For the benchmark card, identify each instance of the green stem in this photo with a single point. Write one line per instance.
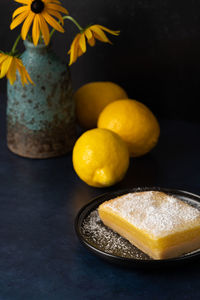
(15, 44)
(74, 21)
(71, 19)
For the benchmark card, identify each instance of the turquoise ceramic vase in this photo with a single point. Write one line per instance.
(41, 117)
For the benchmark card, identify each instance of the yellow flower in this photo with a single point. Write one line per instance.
(9, 65)
(38, 12)
(78, 46)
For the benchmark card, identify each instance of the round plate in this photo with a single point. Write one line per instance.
(110, 246)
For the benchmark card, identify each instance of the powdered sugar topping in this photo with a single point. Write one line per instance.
(156, 213)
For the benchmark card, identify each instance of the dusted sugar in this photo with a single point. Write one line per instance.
(156, 213)
(105, 239)
(159, 224)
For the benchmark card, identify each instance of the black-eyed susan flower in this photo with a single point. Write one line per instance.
(78, 46)
(38, 13)
(8, 67)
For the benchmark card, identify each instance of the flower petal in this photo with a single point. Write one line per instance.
(52, 22)
(3, 57)
(21, 73)
(80, 52)
(35, 30)
(74, 49)
(90, 37)
(28, 76)
(23, 1)
(114, 32)
(73, 42)
(99, 34)
(88, 33)
(82, 42)
(27, 24)
(25, 77)
(57, 8)
(19, 10)
(55, 14)
(11, 74)
(19, 19)
(44, 28)
(6, 65)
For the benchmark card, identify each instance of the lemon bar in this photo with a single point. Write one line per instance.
(158, 224)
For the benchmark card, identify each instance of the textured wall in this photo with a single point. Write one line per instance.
(156, 57)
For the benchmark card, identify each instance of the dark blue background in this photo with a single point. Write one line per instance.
(40, 255)
(156, 58)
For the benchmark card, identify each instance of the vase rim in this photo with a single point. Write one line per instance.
(28, 44)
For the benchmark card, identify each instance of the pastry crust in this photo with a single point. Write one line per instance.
(160, 225)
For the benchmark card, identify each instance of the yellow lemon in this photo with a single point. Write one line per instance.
(100, 157)
(92, 97)
(133, 122)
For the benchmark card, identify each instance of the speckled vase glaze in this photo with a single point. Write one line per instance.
(41, 117)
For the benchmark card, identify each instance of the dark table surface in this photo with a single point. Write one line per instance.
(40, 255)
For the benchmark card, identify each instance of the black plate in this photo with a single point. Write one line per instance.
(128, 255)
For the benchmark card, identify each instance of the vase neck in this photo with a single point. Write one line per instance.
(40, 48)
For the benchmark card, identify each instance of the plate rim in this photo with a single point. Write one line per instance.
(124, 260)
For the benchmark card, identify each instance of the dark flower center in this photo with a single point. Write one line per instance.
(37, 6)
